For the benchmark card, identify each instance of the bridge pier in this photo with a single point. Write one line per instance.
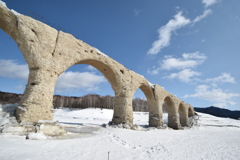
(123, 112)
(173, 120)
(36, 103)
(183, 113)
(155, 113)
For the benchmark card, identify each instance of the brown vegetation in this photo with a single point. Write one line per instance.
(87, 101)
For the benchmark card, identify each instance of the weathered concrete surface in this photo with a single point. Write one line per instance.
(49, 53)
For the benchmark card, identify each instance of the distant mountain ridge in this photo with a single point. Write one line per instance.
(219, 112)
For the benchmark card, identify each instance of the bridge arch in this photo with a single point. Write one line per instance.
(155, 112)
(105, 69)
(122, 109)
(49, 53)
(172, 102)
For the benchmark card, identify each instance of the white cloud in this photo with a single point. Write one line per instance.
(136, 12)
(67, 81)
(209, 2)
(224, 78)
(76, 80)
(165, 32)
(215, 95)
(19, 88)
(214, 85)
(199, 18)
(90, 68)
(11, 69)
(154, 71)
(188, 60)
(223, 105)
(184, 75)
(195, 55)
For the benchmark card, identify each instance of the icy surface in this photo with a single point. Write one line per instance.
(99, 52)
(21, 108)
(152, 85)
(3, 3)
(37, 136)
(5, 111)
(216, 138)
(14, 12)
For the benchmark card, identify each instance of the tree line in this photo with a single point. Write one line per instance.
(95, 101)
(87, 101)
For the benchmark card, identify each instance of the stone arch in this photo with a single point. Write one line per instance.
(172, 103)
(155, 112)
(105, 69)
(49, 53)
(44, 79)
(113, 78)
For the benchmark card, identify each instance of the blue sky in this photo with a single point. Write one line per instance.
(191, 48)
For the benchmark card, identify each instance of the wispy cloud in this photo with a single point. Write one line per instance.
(165, 33)
(11, 69)
(153, 71)
(76, 80)
(184, 75)
(224, 78)
(216, 95)
(19, 88)
(66, 82)
(188, 60)
(90, 68)
(209, 2)
(136, 12)
(199, 18)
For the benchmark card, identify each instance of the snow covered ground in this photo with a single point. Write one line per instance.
(215, 138)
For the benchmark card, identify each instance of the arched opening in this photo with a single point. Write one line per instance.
(140, 108)
(154, 111)
(139, 102)
(172, 113)
(106, 70)
(13, 68)
(91, 90)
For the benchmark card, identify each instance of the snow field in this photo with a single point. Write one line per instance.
(216, 138)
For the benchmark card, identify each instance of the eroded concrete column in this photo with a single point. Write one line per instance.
(36, 104)
(173, 120)
(183, 112)
(155, 113)
(173, 115)
(123, 112)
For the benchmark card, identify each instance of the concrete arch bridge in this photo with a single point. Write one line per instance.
(49, 53)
